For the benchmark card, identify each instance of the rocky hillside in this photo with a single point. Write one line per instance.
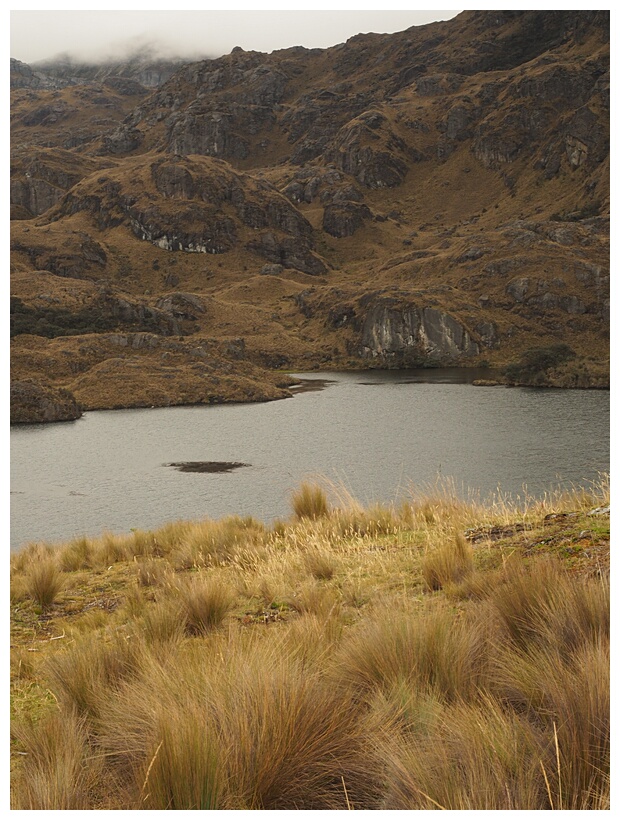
(435, 196)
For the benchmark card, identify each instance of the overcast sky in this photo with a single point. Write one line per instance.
(97, 35)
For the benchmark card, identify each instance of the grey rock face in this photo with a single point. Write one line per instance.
(181, 305)
(35, 195)
(487, 331)
(41, 177)
(24, 76)
(343, 219)
(122, 140)
(211, 133)
(286, 251)
(407, 334)
(271, 270)
(374, 167)
(537, 296)
(518, 288)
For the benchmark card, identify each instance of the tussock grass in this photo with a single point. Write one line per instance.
(152, 572)
(542, 604)
(310, 501)
(143, 542)
(429, 649)
(112, 548)
(364, 658)
(450, 563)
(80, 675)
(570, 697)
(377, 520)
(165, 621)
(320, 564)
(312, 597)
(35, 550)
(44, 580)
(205, 602)
(18, 588)
(294, 739)
(216, 543)
(477, 756)
(62, 769)
(78, 554)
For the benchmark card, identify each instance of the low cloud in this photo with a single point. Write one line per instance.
(113, 36)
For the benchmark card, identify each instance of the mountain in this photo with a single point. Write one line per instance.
(435, 196)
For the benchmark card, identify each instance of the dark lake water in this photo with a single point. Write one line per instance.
(376, 433)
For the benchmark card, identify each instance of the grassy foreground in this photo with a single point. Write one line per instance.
(442, 654)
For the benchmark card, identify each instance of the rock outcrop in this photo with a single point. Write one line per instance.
(36, 403)
(398, 334)
(197, 205)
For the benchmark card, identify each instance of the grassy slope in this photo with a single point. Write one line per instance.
(346, 658)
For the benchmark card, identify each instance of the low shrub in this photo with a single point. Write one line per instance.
(534, 364)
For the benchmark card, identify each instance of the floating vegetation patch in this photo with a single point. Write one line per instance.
(207, 466)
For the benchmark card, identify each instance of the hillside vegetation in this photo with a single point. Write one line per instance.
(442, 655)
(435, 196)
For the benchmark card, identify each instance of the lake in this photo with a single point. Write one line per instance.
(376, 433)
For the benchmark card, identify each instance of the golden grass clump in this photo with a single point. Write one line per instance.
(293, 740)
(210, 543)
(310, 501)
(476, 756)
(112, 548)
(570, 698)
(35, 550)
(374, 521)
(164, 621)
(543, 604)
(44, 580)
(81, 674)
(449, 563)
(152, 572)
(313, 597)
(205, 602)
(78, 554)
(62, 768)
(320, 564)
(429, 649)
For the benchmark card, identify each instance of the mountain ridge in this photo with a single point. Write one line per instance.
(435, 196)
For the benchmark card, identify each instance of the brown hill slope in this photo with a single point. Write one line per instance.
(440, 195)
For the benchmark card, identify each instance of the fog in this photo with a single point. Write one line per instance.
(101, 36)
